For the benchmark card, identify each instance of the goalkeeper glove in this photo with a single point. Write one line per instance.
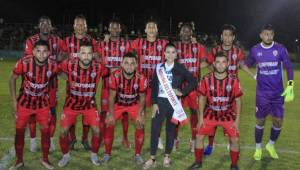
(289, 91)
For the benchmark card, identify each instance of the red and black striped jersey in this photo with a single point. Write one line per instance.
(191, 55)
(235, 56)
(150, 54)
(112, 52)
(221, 95)
(72, 45)
(56, 45)
(128, 90)
(81, 83)
(34, 91)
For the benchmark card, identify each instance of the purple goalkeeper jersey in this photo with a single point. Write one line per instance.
(270, 61)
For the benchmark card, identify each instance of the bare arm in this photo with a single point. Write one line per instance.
(202, 103)
(238, 111)
(247, 70)
(12, 90)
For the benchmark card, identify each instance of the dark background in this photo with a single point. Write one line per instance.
(209, 15)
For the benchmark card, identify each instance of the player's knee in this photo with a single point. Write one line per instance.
(63, 132)
(95, 130)
(260, 122)
(277, 122)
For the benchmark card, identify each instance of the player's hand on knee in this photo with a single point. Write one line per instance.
(200, 123)
(14, 108)
(110, 119)
(235, 125)
(140, 121)
(154, 110)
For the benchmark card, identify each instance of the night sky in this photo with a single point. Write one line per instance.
(247, 15)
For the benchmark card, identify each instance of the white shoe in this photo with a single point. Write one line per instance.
(149, 164)
(95, 160)
(167, 162)
(160, 144)
(33, 146)
(52, 145)
(192, 145)
(64, 161)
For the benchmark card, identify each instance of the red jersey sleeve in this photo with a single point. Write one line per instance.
(28, 47)
(210, 57)
(241, 55)
(237, 90)
(18, 69)
(63, 66)
(113, 82)
(202, 52)
(135, 45)
(143, 84)
(202, 88)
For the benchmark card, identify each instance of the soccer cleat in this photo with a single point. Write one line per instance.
(192, 145)
(167, 162)
(126, 144)
(271, 149)
(195, 166)
(85, 144)
(95, 160)
(234, 167)
(149, 164)
(138, 159)
(257, 154)
(33, 146)
(17, 166)
(105, 158)
(208, 150)
(47, 164)
(160, 144)
(72, 144)
(64, 161)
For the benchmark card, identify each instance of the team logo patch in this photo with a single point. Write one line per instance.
(122, 48)
(159, 48)
(234, 56)
(49, 73)
(211, 88)
(135, 86)
(195, 50)
(93, 74)
(178, 51)
(259, 54)
(121, 86)
(228, 88)
(275, 53)
(106, 48)
(71, 45)
(144, 47)
(54, 46)
(74, 73)
(29, 74)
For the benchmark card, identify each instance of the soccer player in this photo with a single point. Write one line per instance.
(126, 94)
(83, 75)
(269, 56)
(166, 91)
(72, 44)
(235, 60)
(193, 57)
(56, 46)
(219, 105)
(36, 72)
(150, 51)
(112, 50)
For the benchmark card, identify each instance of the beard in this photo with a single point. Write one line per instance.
(128, 73)
(86, 64)
(40, 62)
(45, 33)
(220, 72)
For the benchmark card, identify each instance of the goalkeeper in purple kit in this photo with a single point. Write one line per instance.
(270, 57)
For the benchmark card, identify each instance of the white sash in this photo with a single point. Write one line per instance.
(178, 114)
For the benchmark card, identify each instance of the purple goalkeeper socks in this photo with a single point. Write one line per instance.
(274, 133)
(259, 130)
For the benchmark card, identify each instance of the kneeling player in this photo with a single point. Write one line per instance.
(126, 94)
(33, 100)
(83, 76)
(219, 92)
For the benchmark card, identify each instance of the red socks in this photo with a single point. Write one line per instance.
(198, 155)
(139, 140)
(194, 121)
(95, 144)
(211, 140)
(19, 143)
(45, 140)
(109, 138)
(234, 157)
(64, 144)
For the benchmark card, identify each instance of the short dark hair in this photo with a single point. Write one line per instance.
(80, 16)
(86, 43)
(41, 43)
(228, 27)
(190, 25)
(44, 17)
(114, 20)
(221, 54)
(130, 55)
(151, 20)
(170, 45)
(268, 27)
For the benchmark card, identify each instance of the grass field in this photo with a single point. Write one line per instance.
(288, 145)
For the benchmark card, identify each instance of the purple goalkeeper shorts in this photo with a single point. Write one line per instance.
(269, 105)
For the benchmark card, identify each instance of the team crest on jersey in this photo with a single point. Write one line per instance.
(144, 47)
(106, 48)
(93, 74)
(122, 48)
(195, 50)
(234, 56)
(212, 88)
(121, 86)
(71, 45)
(275, 53)
(135, 86)
(159, 48)
(74, 73)
(178, 51)
(259, 54)
(54, 46)
(228, 88)
(49, 73)
(29, 74)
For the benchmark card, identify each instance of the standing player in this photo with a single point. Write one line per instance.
(219, 105)
(73, 47)
(36, 72)
(192, 56)
(112, 50)
(56, 50)
(126, 94)
(235, 60)
(269, 56)
(83, 75)
(150, 51)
